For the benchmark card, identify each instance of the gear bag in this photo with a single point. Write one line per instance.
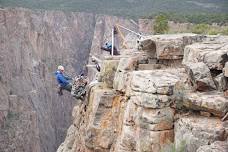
(79, 87)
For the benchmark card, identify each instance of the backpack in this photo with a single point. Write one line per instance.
(79, 87)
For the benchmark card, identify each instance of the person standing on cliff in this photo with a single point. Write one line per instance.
(62, 80)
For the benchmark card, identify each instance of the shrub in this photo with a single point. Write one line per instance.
(161, 24)
(213, 31)
(200, 28)
(225, 31)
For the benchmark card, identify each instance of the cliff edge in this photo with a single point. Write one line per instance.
(168, 93)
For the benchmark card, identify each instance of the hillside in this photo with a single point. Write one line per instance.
(120, 7)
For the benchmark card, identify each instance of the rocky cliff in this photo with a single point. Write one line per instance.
(32, 43)
(168, 94)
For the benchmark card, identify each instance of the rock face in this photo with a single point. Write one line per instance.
(221, 82)
(134, 104)
(217, 146)
(195, 131)
(212, 51)
(226, 69)
(168, 46)
(200, 76)
(32, 43)
(133, 109)
(213, 102)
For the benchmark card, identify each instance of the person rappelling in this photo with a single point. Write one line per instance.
(63, 80)
(78, 86)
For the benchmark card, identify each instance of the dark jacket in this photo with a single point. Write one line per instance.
(62, 79)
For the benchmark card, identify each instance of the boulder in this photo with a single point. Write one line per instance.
(155, 82)
(127, 141)
(226, 70)
(103, 120)
(217, 146)
(212, 102)
(108, 71)
(213, 52)
(155, 119)
(154, 101)
(226, 93)
(181, 88)
(225, 125)
(194, 131)
(153, 141)
(168, 46)
(122, 74)
(151, 66)
(200, 76)
(145, 129)
(221, 82)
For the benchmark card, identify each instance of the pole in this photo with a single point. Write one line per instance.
(112, 41)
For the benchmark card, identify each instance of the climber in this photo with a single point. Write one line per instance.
(108, 48)
(62, 80)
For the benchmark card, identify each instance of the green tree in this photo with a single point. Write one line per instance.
(161, 24)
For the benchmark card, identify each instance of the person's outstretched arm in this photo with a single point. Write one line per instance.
(67, 77)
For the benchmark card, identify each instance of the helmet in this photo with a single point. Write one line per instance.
(61, 68)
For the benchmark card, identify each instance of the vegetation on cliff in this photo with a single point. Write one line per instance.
(194, 11)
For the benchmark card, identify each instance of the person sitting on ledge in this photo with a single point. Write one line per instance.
(108, 48)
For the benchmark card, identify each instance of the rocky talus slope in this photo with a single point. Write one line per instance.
(33, 117)
(169, 93)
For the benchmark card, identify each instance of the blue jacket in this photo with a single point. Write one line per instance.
(62, 79)
(108, 45)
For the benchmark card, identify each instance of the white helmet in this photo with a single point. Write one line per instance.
(61, 68)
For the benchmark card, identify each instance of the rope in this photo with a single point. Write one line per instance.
(122, 36)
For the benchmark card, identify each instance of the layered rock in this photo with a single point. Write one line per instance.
(168, 46)
(212, 51)
(217, 146)
(221, 82)
(157, 109)
(191, 132)
(226, 69)
(212, 102)
(200, 76)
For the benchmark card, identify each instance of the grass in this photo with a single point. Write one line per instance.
(209, 29)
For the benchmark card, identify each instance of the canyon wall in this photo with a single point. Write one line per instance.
(32, 44)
